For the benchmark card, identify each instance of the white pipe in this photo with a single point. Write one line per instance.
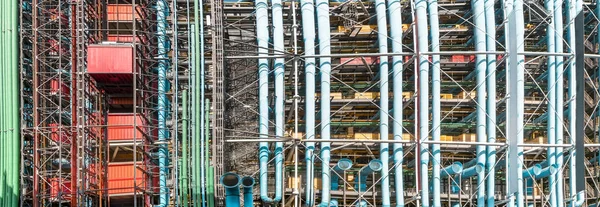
(325, 66)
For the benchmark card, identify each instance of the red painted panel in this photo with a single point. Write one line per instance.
(120, 126)
(120, 12)
(120, 177)
(60, 191)
(62, 136)
(56, 87)
(110, 59)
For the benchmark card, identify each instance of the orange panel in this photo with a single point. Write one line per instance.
(110, 59)
(120, 177)
(120, 12)
(357, 60)
(122, 38)
(120, 126)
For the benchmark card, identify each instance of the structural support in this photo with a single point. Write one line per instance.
(279, 66)
(480, 69)
(490, 30)
(514, 104)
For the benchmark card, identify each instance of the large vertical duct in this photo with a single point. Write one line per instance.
(490, 28)
(248, 183)
(394, 12)
(551, 130)
(435, 102)
(480, 64)
(397, 65)
(308, 31)
(279, 66)
(262, 36)
(384, 153)
(161, 18)
(558, 44)
(325, 66)
(231, 182)
(423, 98)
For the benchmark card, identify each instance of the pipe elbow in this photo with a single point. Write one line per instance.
(579, 199)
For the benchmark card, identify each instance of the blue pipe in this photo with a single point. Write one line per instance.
(373, 166)
(231, 183)
(490, 30)
(472, 171)
(342, 165)
(558, 28)
(394, 12)
(549, 171)
(571, 13)
(384, 153)
(248, 183)
(532, 172)
(323, 29)
(551, 129)
(333, 203)
(308, 32)
(452, 169)
(163, 84)
(262, 34)
(279, 65)
(423, 88)
(435, 102)
(480, 64)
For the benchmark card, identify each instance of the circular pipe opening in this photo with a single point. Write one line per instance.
(230, 180)
(376, 165)
(344, 164)
(457, 167)
(247, 181)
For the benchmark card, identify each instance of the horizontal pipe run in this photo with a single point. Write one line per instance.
(454, 168)
(471, 171)
(547, 171)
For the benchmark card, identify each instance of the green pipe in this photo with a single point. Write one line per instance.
(197, 117)
(210, 181)
(3, 116)
(184, 146)
(210, 187)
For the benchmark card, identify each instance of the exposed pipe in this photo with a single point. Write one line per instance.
(551, 125)
(452, 169)
(471, 171)
(520, 76)
(279, 65)
(532, 172)
(384, 153)
(342, 165)
(308, 32)
(325, 67)
(231, 182)
(373, 166)
(480, 64)
(248, 183)
(549, 171)
(436, 102)
(333, 203)
(490, 30)
(262, 36)
(210, 187)
(559, 41)
(423, 98)
(394, 12)
(184, 148)
(163, 151)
